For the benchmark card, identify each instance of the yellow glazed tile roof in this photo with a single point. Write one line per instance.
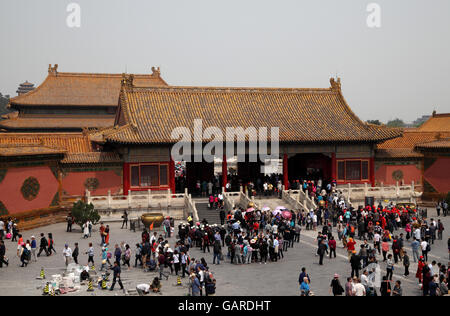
(81, 89)
(77, 147)
(28, 150)
(70, 142)
(91, 157)
(437, 123)
(148, 115)
(438, 144)
(57, 122)
(403, 147)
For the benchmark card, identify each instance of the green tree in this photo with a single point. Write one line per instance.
(4, 100)
(375, 122)
(419, 124)
(447, 198)
(83, 212)
(396, 123)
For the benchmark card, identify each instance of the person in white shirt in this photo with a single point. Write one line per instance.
(434, 268)
(86, 230)
(67, 253)
(417, 234)
(376, 242)
(2, 229)
(314, 220)
(275, 229)
(152, 239)
(143, 289)
(276, 245)
(365, 281)
(201, 274)
(358, 288)
(424, 246)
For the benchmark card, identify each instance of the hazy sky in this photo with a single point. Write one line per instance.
(399, 70)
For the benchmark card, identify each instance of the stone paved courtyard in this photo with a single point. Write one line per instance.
(232, 280)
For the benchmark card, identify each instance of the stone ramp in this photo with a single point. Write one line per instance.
(211, 215)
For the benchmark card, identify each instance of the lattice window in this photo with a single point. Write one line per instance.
(30, 188)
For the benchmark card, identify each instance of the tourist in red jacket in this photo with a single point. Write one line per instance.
(332, 244)
(350, 247)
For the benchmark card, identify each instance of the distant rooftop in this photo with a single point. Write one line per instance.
(25, 88)
(81, 89)
(436, 123)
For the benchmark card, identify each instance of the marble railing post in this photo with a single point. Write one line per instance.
(149, 198)
(109, 199)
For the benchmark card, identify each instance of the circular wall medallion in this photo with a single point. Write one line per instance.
(3, 209)
(397, 175)
(30, 188)
(2, 174)
(91, 184)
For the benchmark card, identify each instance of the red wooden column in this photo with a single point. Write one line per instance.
(372, 171)
(333, 167)
(224, 171)
(172, 175)
(285, 172)
(126, 178)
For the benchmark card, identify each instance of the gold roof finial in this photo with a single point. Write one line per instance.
(156, 72)
(335, 84)
(53, 70)
(127, 80)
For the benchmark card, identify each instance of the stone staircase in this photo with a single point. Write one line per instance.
(211, 215)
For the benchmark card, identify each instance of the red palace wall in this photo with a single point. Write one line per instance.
(73, 182)
(410, 173)
(10, 189)
(438, 174)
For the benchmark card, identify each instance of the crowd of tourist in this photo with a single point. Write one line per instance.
(370, 235)
(378, 229)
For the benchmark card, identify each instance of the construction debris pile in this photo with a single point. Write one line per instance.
(73, 279)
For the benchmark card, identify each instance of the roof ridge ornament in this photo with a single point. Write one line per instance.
(127, 81)
(335, 84)
(156, 72)
(53, 70)
(438, 136)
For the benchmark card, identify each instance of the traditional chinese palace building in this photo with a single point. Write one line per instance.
(317, 129)
(69, 102)
(112, 133)
(420, 155)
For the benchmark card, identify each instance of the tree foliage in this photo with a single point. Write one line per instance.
(375, 122)
(4, 100)
(396, 123)
(83, 212)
